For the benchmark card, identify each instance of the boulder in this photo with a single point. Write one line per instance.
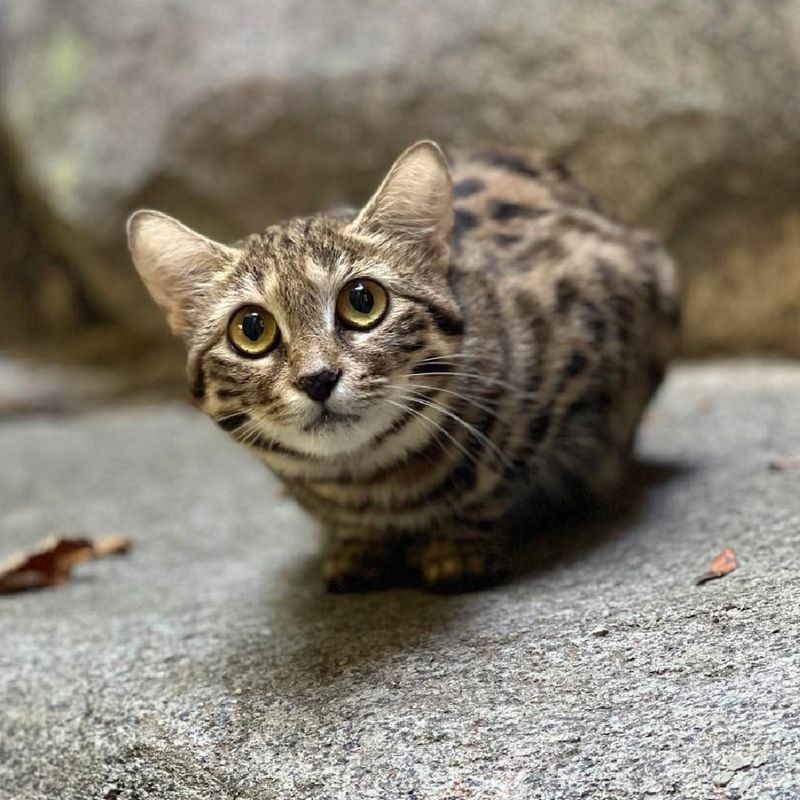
(41, 297)
(682, 114)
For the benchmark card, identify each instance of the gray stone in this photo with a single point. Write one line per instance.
(683, 114)
(41, 298)
(209, 663)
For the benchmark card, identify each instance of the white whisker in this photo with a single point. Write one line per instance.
(436, 426)
(467, 426)
(481, 378)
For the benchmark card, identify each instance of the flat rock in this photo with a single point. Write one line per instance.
(209, 663)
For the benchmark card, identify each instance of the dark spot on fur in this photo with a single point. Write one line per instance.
(450, 326)
(468, 187)
(408, 324)
(262, 443)
(512, 163)
(447, 323)
(463, 221)
(503, 212)
(595, 322)
(549, 249)
(224, 394)
(566, 294)
(412, 346)
(595, 403)
(233, 422)
(560, 169)
(577, 489)
(198, 387)
(506, 239)
(576, 364)
(539, 425)
(623, 309)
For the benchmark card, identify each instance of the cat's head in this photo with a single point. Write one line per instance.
(309, 334)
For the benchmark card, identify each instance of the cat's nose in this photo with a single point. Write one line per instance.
(319, 385)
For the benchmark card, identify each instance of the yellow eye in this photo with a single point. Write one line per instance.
(362, 304)
(252, 331)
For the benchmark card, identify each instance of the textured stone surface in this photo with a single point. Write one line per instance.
(209, 663)
(41, 297)
(683, 114)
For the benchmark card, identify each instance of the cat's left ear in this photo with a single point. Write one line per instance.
(179, 266)
(415, 201)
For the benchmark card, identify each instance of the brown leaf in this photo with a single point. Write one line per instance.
(49, 565)
(785, 463)
(724, 563)
(111, 544)
(51, 562)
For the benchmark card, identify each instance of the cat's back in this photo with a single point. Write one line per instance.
(499, 194)
(497, 187)
(586, 306)
(523, 219)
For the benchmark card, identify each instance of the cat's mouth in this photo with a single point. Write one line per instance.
(327, 420)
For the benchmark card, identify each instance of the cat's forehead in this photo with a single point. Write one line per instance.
(297, 264)
(287, 251)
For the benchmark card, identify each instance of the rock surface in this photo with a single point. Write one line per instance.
(41, 297)
(210, 664)
(683, 114)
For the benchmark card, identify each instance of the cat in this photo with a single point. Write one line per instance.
(479, 338)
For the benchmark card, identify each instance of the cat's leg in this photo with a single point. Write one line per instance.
(462, 558)
(359, 561)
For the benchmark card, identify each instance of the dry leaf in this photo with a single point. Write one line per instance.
(49, 565)
(787, 462)
(51, 562)
(111, 544)
(724, 563)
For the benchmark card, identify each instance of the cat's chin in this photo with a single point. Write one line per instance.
(329, 433)
(330, 420)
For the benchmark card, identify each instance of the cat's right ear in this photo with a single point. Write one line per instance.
(415, 201)
(178, 265)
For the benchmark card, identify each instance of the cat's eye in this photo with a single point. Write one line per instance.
(253, 331)
(362, 303)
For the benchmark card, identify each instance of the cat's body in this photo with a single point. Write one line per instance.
(524, 334)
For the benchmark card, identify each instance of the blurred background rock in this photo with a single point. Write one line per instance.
(683, 115)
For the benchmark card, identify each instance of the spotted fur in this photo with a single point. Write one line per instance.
(525, 334)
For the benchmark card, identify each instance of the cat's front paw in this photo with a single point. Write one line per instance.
(463, 565)
(356, 565)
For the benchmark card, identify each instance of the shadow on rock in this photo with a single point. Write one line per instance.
(314, 644)
(566, 533)
(313, 640)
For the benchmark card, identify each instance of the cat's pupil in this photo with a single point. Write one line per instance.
(361, 299)
(253, 326)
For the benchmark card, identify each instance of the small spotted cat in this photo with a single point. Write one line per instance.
(478, 340)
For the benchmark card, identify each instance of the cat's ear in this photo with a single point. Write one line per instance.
(415, 200)
(178, 265)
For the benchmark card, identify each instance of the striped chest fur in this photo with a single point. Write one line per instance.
(480, 337)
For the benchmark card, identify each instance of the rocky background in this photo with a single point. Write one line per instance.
(684, 115)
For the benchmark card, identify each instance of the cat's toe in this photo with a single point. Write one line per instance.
(451, 567)
(355, 567)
